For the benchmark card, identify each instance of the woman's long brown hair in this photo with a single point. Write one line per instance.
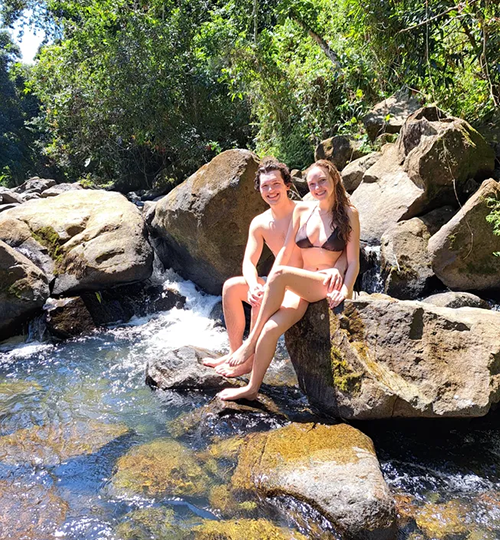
(341, 202)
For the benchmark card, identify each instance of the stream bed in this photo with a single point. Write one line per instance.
(69, 412)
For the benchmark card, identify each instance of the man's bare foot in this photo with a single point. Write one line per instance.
(229, 371)
(231, 394)
(242, 354)
(213, 362)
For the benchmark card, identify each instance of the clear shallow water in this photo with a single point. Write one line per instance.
(57, 403)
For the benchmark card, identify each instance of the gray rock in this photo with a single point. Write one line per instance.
(462, 251)
(23, 290)
(352, 174)
(387, 358)
(8, 196)
(201, 227)
(60, 188)
(332, 468)
(389, 115)
(435, 157)
(35, 185)
(405, 262)
(4, 207)
(456, 300)
(82, 240)
(182, 370)
(339, 150)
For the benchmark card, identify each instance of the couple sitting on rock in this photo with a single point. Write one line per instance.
(309, 240)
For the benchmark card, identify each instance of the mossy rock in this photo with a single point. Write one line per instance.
(243, 529)
(148, 523)
(161, 468)
(54, 444)
(231, 504)
(442, 521)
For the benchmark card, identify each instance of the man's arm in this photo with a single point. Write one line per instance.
(253, 251)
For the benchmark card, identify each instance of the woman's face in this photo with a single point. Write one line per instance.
(320, 183)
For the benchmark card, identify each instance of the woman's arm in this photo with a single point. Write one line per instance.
(352, 255)
(285, 253)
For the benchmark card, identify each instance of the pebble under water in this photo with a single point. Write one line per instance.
(69, 412)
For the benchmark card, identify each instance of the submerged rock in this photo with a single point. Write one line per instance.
(243, 529)
(82, 240)
(182, 369)
(30, 512)
(148, 523)
(200, 228)
(332, 468)
(462, 251)
(54, 444)
(23, 290)
(160, 468)
(387, 358)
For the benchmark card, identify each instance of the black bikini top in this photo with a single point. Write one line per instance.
(334, 243)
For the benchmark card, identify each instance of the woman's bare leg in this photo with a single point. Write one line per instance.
(290, 312)
(304, 283)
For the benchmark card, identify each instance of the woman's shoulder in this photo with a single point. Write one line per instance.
(304, 206)
(352, 211)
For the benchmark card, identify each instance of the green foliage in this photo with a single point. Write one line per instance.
(494, 217)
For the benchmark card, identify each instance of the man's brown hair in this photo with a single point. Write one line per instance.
(268, 165)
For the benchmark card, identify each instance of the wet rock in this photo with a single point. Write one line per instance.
(35, 185)
(56, 190)
(409, 178)
(13, 389)
(456, 300)
(219, 418)
(389, 115)
(200, 228)
(120, 304)
(405, 262)
(82, 240)
(182, 369)
(54, 444)
(23, 290)
(442, 521)
(67, 317)
(462, 250)
(339, 150)
(160, 468)
(332, 468)
(243, 529)
(148, 523)
(30, 512)
(352, 174)
(387, 358)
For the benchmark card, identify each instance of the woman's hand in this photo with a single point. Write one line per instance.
(336, 297)
(333, 279)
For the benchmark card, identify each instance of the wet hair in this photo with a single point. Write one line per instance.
(268, 165)
(341, 202)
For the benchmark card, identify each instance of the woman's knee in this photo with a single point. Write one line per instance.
(277, 274)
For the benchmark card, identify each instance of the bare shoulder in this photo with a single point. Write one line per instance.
(303, 206)
(261, 221)
(353, 213)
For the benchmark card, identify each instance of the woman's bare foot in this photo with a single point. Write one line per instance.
(242, 354)
(229, 371)
(213, 362)
(231, 394)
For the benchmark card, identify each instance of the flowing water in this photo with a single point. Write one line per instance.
(68, 412)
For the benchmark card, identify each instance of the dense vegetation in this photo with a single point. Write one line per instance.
(142, 92)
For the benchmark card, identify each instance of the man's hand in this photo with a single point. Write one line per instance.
(255, 295)
(333, 280)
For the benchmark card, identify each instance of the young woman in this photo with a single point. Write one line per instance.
(322, 230)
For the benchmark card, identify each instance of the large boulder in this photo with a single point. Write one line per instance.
(405, 262)
(339, 150)
(23, 290)
(457, 300)
(433, 160)
(385, 358)
(82, 240)
(462, 251)
(389, 115)
(200, 228)
(352, 174)
(334, 469)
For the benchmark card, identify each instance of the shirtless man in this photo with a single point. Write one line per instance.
(273, 181)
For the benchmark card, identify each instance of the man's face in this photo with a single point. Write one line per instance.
(272, 188)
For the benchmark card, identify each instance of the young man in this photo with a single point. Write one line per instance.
(273, 181)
